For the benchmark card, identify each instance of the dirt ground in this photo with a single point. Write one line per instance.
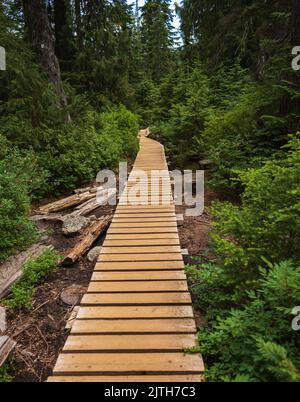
(40, 333)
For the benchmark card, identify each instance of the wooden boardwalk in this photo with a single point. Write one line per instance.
(136, 319)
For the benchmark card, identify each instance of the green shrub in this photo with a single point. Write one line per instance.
(255, 341)
(4, 373)
(76, 152)
(16, 231)
(34, 273)
(247, 292)
(242, 135)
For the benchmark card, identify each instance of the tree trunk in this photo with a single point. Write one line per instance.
(78, 23)
(63, 33)
(295, 22)
(90, 235)
(41, 39)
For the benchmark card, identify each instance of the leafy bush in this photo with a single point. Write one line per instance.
(34, 273)
(243, 134)
(257, 340)
(16, 231)
(267, 224)
(251, 287)
(77, 151)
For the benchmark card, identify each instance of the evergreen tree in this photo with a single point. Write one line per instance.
(104, 33)
(157, 38)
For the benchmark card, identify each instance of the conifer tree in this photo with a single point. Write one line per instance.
(157, 38)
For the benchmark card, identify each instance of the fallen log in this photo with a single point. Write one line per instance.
(90, 235)
(6, 346)
(82, 190)
(99, 200)
(11, 270)
(50, 218)
(66, 203)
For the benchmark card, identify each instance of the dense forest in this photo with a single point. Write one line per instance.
(220, 93)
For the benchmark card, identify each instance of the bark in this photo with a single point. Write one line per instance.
(41, 38)
(90, 235)
(78, 22)
(63, 32)
(6, 346)
(91, 205)
(66, 203)
(295, 22)
(11, 270)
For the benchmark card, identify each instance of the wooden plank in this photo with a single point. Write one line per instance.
(136, 299)
(139, 276)
(138, 286)
(140, 250)
(136, 312)
(139, 266)
(145, 203)
(135, 326)
(140, 257)
(118, 219)
(135, 363)
(145, 215)
(138, 225)
(151, 191)
(132, 379)
(146, 230)
(146, 208)
(137, 189)
(142, 236)
(98, 343)
(141, 243)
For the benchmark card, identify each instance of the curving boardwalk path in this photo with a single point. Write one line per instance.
(136, 318)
